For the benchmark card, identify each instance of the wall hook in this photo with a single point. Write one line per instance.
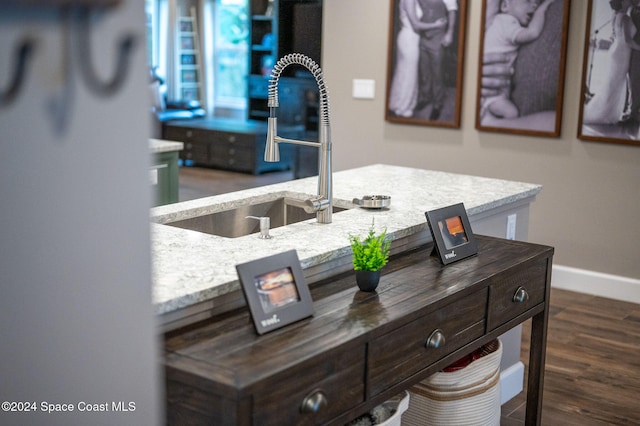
(111, 86)
(22, 54)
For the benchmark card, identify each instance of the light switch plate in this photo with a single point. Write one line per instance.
(364, 88)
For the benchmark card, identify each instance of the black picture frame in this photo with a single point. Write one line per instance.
(275, 290)
(451, 246)
(609, 99)
(424, 72)
(531, 101)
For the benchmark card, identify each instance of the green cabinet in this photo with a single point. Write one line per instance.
(163, 173)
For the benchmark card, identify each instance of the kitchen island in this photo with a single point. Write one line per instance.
(194, 274)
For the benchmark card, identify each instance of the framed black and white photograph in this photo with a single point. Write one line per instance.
(425, 62)
(275, 290)
(521, 66)
(610, 98)
(452, 235)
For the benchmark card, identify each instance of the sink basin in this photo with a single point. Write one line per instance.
(233, 223)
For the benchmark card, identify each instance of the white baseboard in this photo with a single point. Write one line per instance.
(511, 382)
(596, 283)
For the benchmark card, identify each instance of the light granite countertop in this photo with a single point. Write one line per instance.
(156, 146)
(191, 267)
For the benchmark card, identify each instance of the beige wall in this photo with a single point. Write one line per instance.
(589, 208)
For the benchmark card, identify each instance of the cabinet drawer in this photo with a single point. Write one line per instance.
(197, 152)
(239, 140)
(186, 134)
(175, 133)
(515, 293)
(404, 352)
(337, 377)
(232, 158)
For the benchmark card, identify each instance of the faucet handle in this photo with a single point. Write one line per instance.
(316, 204)
(265, 223)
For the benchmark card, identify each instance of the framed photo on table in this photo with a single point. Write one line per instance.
(521, 67)
(610, 98)
(452, 235)
(425, 62)
(275, 290)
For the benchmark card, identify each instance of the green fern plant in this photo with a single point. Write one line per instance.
(371, 253)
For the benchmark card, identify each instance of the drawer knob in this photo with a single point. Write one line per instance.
(521, 295)
(436, 340)
(313, 402)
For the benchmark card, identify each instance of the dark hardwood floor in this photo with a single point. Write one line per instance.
(198, 182)
(592, 374)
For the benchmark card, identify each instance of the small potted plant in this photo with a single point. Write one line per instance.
(369, 256)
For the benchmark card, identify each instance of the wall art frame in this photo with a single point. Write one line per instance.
(452, 234)
(275, 290)
(610, 94)
(432, 96)
(521, 86)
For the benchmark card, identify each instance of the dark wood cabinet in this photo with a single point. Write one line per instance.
(360, 349)
(278, 28)
(229, 144)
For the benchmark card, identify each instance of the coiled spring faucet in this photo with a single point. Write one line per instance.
(323, 203)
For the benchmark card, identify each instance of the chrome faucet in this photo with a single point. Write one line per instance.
(323, 203)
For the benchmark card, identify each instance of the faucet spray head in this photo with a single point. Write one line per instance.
(271, 149)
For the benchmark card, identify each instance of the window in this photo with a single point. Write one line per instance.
(224, 43)
(231, 39)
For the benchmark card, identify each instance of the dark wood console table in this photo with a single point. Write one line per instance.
(360, 349)
(230, 144)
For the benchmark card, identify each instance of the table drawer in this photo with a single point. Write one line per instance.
(336, 379)
(232, 158)
(512, 294)
(238, 140)
(186, 134)
(405, 351)
(197, 152)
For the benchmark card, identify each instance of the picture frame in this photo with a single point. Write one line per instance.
(521, 87)
(452, 234)
(186, 43)
(433, 96)
(186, 26)
(189, 76)
(609, 101)
(190, 94)
(275, 290)
(187, 59)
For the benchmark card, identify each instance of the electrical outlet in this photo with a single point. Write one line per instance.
(511, 227)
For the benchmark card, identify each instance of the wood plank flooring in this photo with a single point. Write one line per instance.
(592, 374)
(198, 182)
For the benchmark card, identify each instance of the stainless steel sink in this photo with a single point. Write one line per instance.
(233, 223)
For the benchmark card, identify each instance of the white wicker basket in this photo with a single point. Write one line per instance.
(401, 408)
(467, 397)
